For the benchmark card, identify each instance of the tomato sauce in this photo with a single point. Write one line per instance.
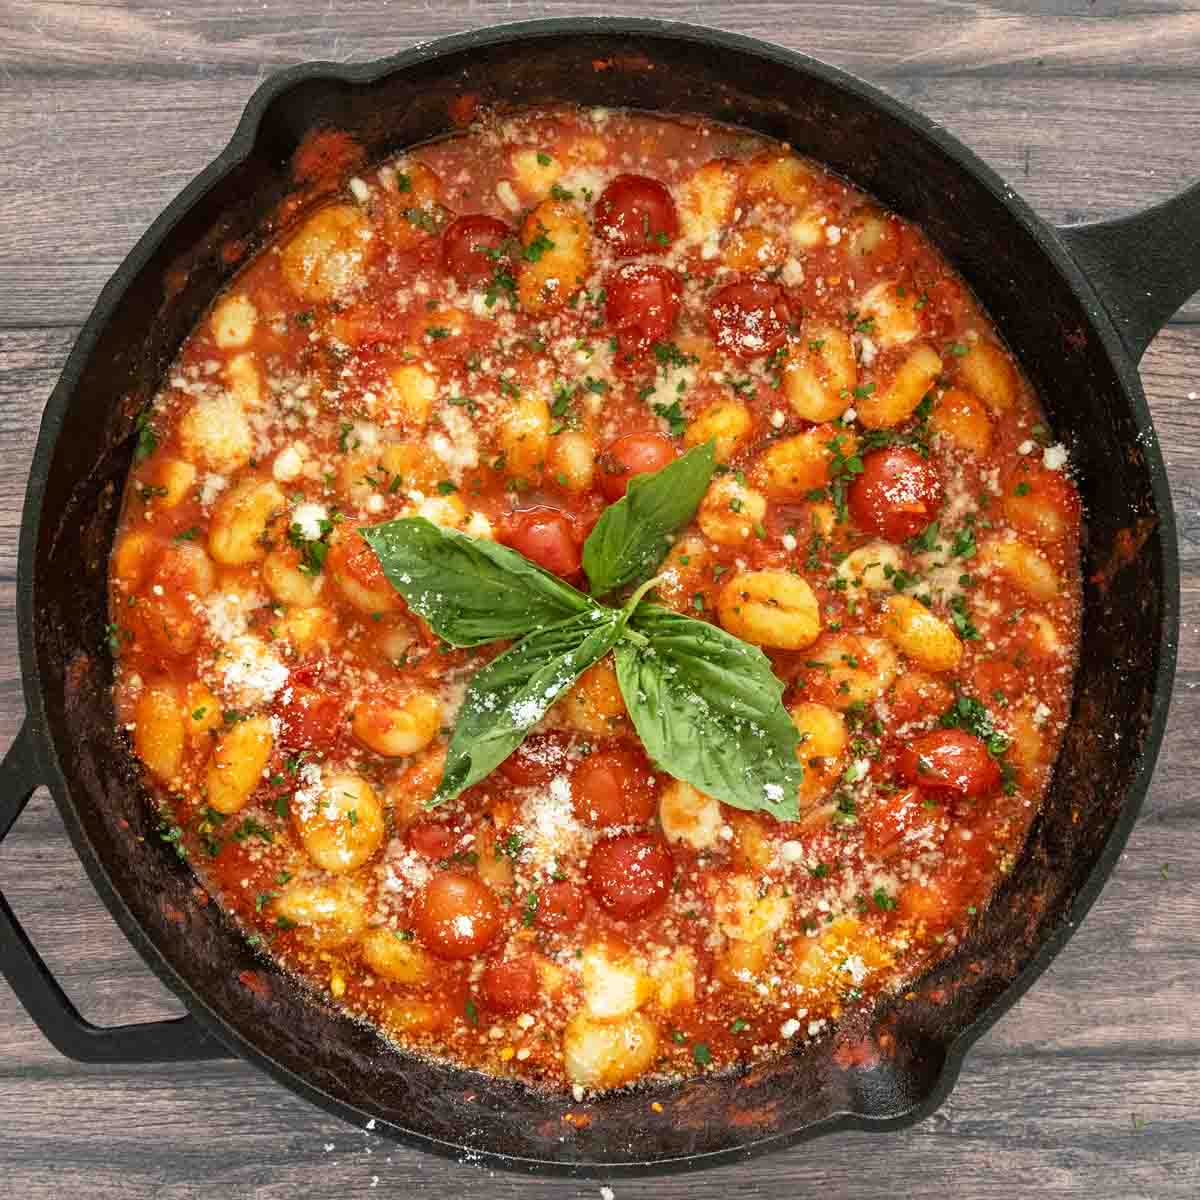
(497, 332)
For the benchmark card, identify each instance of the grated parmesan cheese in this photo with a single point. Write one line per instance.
(211, 488)
(1054, 458)
(308, 517)
(252, 675)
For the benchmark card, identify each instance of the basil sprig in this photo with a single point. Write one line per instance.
(471, 591)
(709, 709)
(514, 692)
(706, 705)
(633, 534)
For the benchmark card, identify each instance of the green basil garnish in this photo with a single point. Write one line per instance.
(706, 705)
(470, 590)
(709, 711)
(513, 693)
(631, 537)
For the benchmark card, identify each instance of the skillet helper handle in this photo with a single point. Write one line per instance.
(1145, 266)
(178, 1040)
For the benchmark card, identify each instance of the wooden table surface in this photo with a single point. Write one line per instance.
(1090, 1086)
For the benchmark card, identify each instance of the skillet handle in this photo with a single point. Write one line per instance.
(178, 1040)
(1145, 266)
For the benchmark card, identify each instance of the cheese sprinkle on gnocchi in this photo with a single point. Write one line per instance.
(497, 332)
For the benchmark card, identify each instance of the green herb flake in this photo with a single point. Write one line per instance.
(147, 438)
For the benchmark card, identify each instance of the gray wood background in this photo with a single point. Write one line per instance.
(1090, 1087)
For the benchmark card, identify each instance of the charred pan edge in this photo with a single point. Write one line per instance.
(243, 144)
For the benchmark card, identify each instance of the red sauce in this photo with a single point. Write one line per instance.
(499, 331)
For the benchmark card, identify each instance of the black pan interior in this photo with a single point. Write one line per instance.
(882, 150)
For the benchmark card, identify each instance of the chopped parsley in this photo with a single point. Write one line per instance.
(843, 469)
(503, 283)
(674, 417)
(963, 624)
(147, 438)
(312, 550)
(669, 355)
(972, 715)
(251, 828)
(536, 248)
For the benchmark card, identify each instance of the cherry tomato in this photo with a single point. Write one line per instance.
(950, 760)
(310, 720)
(633, 454)
(749, 318)
(642, 304)
(897, 494)
(546, 536)
(613, 787)
(456, 916)
(537, 759)
(466, 245)
(432, 839)
(630, 874)
(636, 215)
(917, 695)
(560, 906)
(510, 984)
(901, 819)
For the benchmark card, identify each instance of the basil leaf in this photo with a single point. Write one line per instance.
(513, 692)
(630, 538)
(708, 709)
(470, 590)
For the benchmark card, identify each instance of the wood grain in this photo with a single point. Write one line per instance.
(1087, 1089)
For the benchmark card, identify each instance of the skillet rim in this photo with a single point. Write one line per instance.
(241, 145)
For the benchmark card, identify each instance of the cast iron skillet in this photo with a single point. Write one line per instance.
(1078, 306)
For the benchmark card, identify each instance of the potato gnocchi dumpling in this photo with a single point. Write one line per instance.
(504, 334)
(327, 256)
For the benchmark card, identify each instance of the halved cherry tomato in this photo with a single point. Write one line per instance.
(903, 819)
(630, 874)
(456, 916)
(950, 760)
(433, 839)
(636, 215)
(614, 787)
(546, 536)
(897, 495)
(749, 318)
(309, 720)
(510, 984)
(560, 906)
(633, 454)
(642, 305)
(474, 248)
(536, 760)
